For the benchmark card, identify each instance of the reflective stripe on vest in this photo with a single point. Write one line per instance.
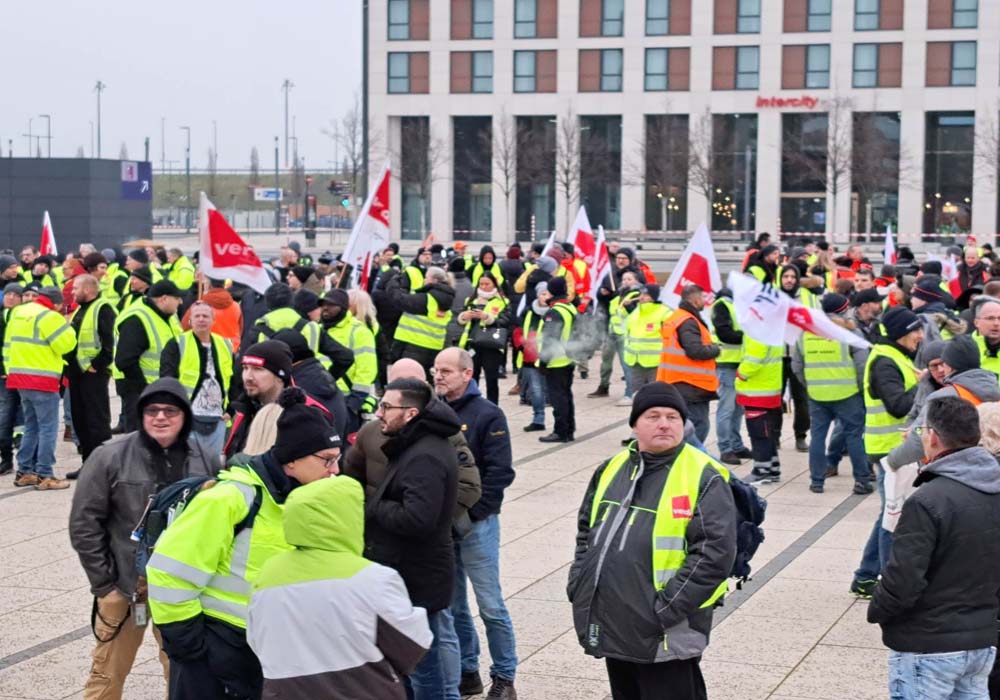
(190, 369)
(766, 380)
(158, 332)
(561, 357)
(416, 278)
(829, 371)
(361, 375)
(731, 354)
(494, 307)
(882, 429)
(88, 341)
(643, 334)
(675, 365)
(618, 312)
(427, 331)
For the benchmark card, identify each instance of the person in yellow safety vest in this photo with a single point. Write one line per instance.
(758, 391)
(138, 258)
(37, 338)
(143, 331)
(485, 323)
(525, 338)
(358, 385)
(88, 367)
(205, 562)
(833, 374)
(114, 284)
(555, 356)
(986, 315)
(688, 358)
(643, 341)
(41, 272)
(728, 414)
(203, 363)
(656, 540)
(890, 388)
(426, 311)
(619, 308)
(763, 266)
(416, 271)
(179, 270)
(487, 263)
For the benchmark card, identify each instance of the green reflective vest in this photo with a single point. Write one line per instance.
(986, 361)
(426, 331)
(287, 317)
(493, 308)
(883, 431)
(88, 342)
(618, 312)
(478, 270)
(190, 369)
(416, 277)
(181, 273)
(158, 334)
(829, 369)
(559, 356)
(107, 283)
(731, 354)
(674, 511)
(353, 334)
(761, 366)
(532, 324)
(643, 341)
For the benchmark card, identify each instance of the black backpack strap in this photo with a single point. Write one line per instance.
(300, 324)
(266, 330)
(242, 525)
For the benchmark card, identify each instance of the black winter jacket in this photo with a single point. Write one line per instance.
(408, 519)
(725, 326)
(887, 384)
(938, 592)
(416, 303)
(689, 337)
(312, 377)
(133, 341)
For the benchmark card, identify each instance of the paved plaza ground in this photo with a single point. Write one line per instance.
(794, 632)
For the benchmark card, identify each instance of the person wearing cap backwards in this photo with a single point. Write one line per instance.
(9, 400)
(179, 270)
(832, 373)
(265, 369)
(358, 385)
(201, 572)
(114, 488)
(656, 540)
(890, 388)
(556, 361)
(36, 338)
(643, 339)
(144, 329)
(688, 358)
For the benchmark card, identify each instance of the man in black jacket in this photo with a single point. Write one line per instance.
(478, 552)
(937, 599)
(408, 521)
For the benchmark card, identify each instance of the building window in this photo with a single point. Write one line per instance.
(524, 71)
(819, 15)
(803, 172)
(601, 168)
(748, 17)
(472, 177)
(611, 70)
(612, 17)
(963, 63)
(747, 67)
(949, 157)
(399, 19)
(865, 15)
(666, 171)
(865, 65)
(482, 19)
(818, 66)
(399, 72)
(965, 14)
(875, 170)
(657, 17)
(733, 157)
(656, 70)
(525, 18)
(482, 71)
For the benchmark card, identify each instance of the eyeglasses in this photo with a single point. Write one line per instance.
(383, 406)
(327, 461)
(921, 430)
(167, 411)
(989, 319)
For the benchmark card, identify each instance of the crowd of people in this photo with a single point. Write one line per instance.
(278, 580)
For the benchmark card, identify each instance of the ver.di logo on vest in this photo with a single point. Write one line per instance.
(681, 506)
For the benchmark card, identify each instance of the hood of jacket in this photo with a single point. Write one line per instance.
(326, 514)
(947, 320)
(483, 251)
(443, 294)
(218, 298)
(171, 386)
(794, 291)
(974, 467)
(437, 418)
(471, 392)
(981, 382)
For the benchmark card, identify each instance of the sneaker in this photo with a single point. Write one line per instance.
(524, 402)
(502, 689)
(50, 483)
(729, 458)
(554, 437)
(801, 445)
(515, 390)
(862, 588)
(6, 465)
(832, 471)
(534, 427)
(624, 401)
(598, 393)
(72, 476)
(471, 684)
(863, 488)
(816, 488)
(26, 479)
(760, 476)
(744, 453)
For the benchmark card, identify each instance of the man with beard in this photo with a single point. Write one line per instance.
(266, 370)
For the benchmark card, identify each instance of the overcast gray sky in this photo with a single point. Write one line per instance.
(190, 61)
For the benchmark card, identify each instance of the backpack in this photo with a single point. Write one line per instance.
(750, 509)
(165, 505)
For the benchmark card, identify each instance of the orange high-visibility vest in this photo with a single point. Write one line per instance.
(675, 365)
(964, 393)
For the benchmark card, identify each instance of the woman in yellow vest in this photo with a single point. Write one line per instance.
(643, 341)
(487, 319)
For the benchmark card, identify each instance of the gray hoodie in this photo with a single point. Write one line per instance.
(975, 467)
(980, 382)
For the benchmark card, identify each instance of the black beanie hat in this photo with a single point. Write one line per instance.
(296, 342)
(164, 288)
(557, 287)
(139, 255)
(653, 290)
(302, 273)
(866, 297)
(931, 267)
(143, 273)
(278, 296)
(305, 302)
(927, 289)
(456, 264)
(767, 250)
(834, 303)
(302, 430)
(961, 354)
(654, 395)
(272, 355)
(899, 321)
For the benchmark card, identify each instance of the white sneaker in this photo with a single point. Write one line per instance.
(624, 401)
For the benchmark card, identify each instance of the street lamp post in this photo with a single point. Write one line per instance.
(277, 192)
(187, 176)
(99, 88)
(48, 134)
(286, 86)
(29, 136)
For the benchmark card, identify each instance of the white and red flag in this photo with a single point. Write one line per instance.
(594, 252)
(697, 265)
(889, 252)
(370, 234)
(224, 254)
(48, 244)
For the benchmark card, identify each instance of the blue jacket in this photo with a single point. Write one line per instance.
(485, 428)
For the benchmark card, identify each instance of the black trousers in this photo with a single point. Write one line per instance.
(490, 361)
(424, 356)
(129, 390)
(764, 429)
(229, 670)
(669, 680)
(90, 406)
(800, 400)
(559, 384)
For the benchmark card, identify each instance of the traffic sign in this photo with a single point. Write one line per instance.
(268, 194)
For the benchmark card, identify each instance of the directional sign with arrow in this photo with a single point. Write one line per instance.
(137, 180)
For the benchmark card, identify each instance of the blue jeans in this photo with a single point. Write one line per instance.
(879, 546)
(619, 341)
(837, 448)
(41, 430)
(436, 677)
(533, 383)
(10, 402)
(477, 556)
(850, 412)
(957, 675)
(728, 415)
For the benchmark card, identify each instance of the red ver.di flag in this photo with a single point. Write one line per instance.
(696, 266)
(370, 234)
(48, 244)
(224, 254)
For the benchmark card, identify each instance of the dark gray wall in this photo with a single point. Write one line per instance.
(83, 197)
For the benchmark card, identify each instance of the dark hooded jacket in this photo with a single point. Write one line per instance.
(408, 519)
(938, 593)
(115, 483)
(613, 281)
(886, 383)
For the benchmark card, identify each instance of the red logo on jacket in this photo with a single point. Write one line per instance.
(681, 506)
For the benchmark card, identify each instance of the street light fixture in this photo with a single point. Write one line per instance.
(187, 175)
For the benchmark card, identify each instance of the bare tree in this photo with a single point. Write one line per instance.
(568, 160)
(254, 167)
(659, 163)
(349, 138)
(212, 171)
(987, 146)
(879, 164)
(701, 160)
(505, 155)
(122, 152)
(428, 164)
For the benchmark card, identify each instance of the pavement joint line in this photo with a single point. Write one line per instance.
(39, 649)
